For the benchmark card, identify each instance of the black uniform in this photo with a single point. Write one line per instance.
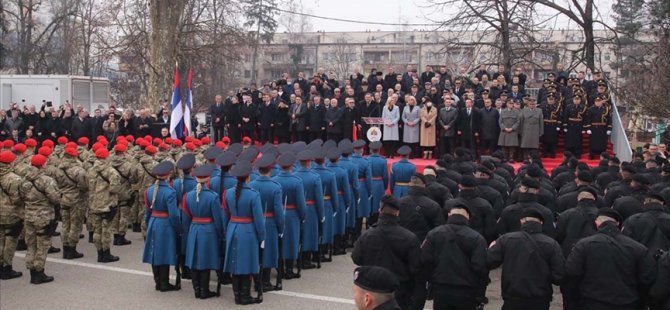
(611, 267)
(531, 263)
(650, 227)
(436, 191)
(552, 121)
(456, 256)
(573, 122)
(482, 217)
(610, 175)
(393, 247)
(630, 204)
(419, 213)
(598, 121)
(660, 291)
(491, 195)
(544, 197)
(568, 201)
(510, 216)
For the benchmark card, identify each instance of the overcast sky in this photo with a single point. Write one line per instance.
(397, 11)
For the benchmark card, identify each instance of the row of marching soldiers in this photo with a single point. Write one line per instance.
(243, 211)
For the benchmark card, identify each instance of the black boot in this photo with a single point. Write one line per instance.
(306, 262)
(155, 271)
(120, 239)
(224, 277)
(7, 273)
(267, 285)
(66, 252)
(74, 254)
(38, 277)
(245, 291)
(235, 281)
(90, 237)
(338, 249)
(185, 271)
(195, 279)
(137, 227)
(288, 273)
(106, 257)
(164, 279)
(325, 250)
(53, 250)
(204, 285)
(21, 245)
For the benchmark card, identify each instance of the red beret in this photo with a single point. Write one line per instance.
(168, 140)
(103, 142)
(188, 139)
(45, 150)
(120, 148)
(225, 140)
(190, 146)
(122, 142)
(163, 146)
(120, 138)
(205, 140)
(102, 153)
(147, 137)
(246, 140)
(151, 150)
(197, 142)
(20, 148)
(7, 157)
(62, 140)
(83, 141)
(71, 151)
(220, 145)
(130, 138)
(96, 146)
(38, 160)
(157, 141)
(71, 144)
(143, 143)
(8, 144)
(176, 142)
(48, 143)
(100, 138)
(31, 142)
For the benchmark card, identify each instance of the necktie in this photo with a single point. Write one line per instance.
(468, 112)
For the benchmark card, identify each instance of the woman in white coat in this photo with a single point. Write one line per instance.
(412, 119)
(391, 116)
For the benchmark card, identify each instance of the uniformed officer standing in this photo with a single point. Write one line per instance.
(293, 195)
(144, 180)
(330, 202)
(482, 217)
(163, 226)
(551, 112)
(364, 185)
(183, 185)
(346, 148)
(245, 233)
(225, 161)
(531, 262)
(104, 187)
(652, 226)
(401, 172)
(12, 210)
(660, 291)
(393, 247)
(509, 218)
(273, 209)
(74, 188)
(202, 210)
(344, 200)
(456, 255)
(598, 125)
(121, 163)
(314, 216)
(40, 193)
(573, 121)
(380, 179)
(611, 269)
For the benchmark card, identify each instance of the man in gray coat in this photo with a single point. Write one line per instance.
(447, 119)
(531, 127)
(509, 130)
(298, 114)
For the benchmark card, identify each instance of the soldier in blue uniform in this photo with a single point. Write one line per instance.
(245, 232)
(364, 186)
(293, 196)
(344, 200)
(183, 185)
(273, 207)
(401, 173)
(346, 148)
(202, 211)
(210, 155)
(330, 202)
(163, 226)
(225, 161)
(380, 179)
(314, 211)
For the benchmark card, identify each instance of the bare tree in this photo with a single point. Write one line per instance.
(294, 20)
(259, 14)
(341, 58)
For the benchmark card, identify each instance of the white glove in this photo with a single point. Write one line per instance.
(558, 129)
(347, 210)
(334, 214)
(588, 131)
(323, 219)
(583, 132)
(565, 130)
(609, 132)
(263, 244)
(281, 235)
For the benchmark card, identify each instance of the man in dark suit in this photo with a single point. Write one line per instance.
(80, 126)
(143, 123)
(368, 108)
(427, 75)
(316, 115)
(266, 118)
(96, 125)
(469, 124)
(218, 113)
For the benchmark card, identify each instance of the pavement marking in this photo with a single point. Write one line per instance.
(149, 274)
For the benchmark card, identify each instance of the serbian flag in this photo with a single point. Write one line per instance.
(189, 104)
(354, 132)
(177, 117)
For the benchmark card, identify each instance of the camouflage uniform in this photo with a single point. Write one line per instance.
(126, 197)
(144, 180)
(74, 187)
(40, 193)
(11, 215)
(103, 188)
(136, 206)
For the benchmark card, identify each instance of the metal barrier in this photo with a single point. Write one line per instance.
(620, 143)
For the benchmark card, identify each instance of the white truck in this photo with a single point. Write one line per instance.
(89, 92)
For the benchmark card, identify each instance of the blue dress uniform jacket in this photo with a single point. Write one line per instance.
(344, 198)
(293, 193)
(380, 180)
(364, 185)
(163, 226)
(273, 209)
(401, 173)
(229, 182)
(314, 211)
(352, 171)
(330, 201)
(245, 229)
(205, 219)
(183, 186)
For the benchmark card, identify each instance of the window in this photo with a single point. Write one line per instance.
(275, 73)
(276, 57)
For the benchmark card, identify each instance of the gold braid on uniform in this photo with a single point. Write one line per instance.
(603, 117)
